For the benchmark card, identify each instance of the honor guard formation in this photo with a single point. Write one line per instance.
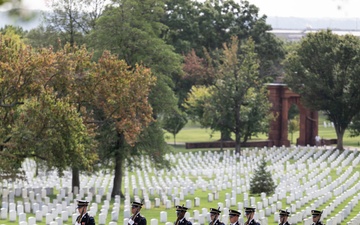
(137, 219)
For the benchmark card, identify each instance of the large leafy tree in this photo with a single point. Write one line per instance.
(237, 101)
(131, 29)
(324, 70)
(25, 78)
(123, 112)
(51, 130)
(134, 35)
(209, 24)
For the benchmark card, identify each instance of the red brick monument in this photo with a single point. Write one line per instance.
(282, 98)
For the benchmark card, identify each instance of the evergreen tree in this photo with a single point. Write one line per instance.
(262, 180)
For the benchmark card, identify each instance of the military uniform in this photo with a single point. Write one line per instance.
(215, 212)
(249, 210)
(137, 219)
(316, 213)
(284, 213)
(183, 220)
(236, 214)
(84, 218)
(286, 223)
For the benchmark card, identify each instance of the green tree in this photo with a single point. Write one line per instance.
(237, 85)
(355, 126)
(174, 122)
(324, 70)
(237, 102)
(51, 129)
(209, 24)
(132, 30)
(123, 112)
(25, 75)
(262, 180)
(294, 126)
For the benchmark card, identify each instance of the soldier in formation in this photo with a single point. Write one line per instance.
(180, 212)
(249, 213)
(234, 217)
(316, 215)
(214, 216)
(84, 218)
(136, 218)
(284, 215)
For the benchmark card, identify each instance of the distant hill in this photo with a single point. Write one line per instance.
(275, 22)
(314, 23)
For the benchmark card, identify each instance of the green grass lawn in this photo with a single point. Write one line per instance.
(192, 132)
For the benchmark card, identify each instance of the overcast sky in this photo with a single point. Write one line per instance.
(309, 8)
(295, 8)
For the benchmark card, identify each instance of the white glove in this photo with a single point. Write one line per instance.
(131, 222)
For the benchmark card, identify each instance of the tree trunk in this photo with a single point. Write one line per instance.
(75, 178)
(174, 139)
(237, 143)
(118, 176)
(118, 167)
(340, 135)
(224, 136)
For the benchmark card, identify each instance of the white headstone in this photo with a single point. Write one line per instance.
(3, 215)
(31, 221)
(12, 215)
(163, 217)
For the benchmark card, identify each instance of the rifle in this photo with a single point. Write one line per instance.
(178, 217)
(282, 221)
(81, 215)
(215, 218)
(135, 214)
(317, 222)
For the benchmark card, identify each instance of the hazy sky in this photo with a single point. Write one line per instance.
(295, 8)
(309, 8)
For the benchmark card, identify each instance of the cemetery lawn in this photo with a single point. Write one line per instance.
(193, 132)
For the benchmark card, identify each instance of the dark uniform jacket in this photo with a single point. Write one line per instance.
(139, 220)
(319, 223)
(217, 223)
(286, 223)
(253, 222)
(86, 220)
(237, 223)
(184, 222)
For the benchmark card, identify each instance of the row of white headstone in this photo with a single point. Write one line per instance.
(169, 186)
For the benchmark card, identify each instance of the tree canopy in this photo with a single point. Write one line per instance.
(325, 70)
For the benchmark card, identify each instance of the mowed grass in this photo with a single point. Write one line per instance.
(193, 132)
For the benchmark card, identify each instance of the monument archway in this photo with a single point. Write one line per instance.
(282, 98)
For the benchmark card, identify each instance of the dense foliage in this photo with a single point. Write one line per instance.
(325, 70)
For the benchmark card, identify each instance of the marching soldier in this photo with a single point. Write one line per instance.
(284, 215)
(234, 217)
(214, 216)
(316, 215)
(249, 213)
(136, 218)
(84, 218)
(180, 212)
